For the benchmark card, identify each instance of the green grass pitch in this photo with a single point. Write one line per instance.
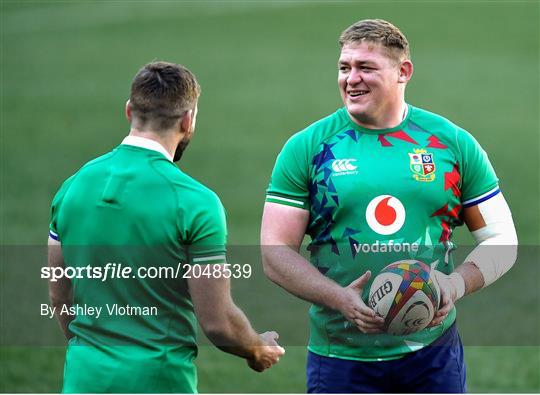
(267, 69)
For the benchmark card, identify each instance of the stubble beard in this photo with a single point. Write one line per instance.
(180, 149)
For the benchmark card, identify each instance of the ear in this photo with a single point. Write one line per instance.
(406, 70)
(185, 123)
(128, 111)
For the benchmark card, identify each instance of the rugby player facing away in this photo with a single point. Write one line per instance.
(377, 181)
(135, 207)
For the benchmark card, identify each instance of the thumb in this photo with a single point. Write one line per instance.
(359, 283)
(270, 336)
(438, 281)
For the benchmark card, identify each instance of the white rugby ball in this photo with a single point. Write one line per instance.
(404, 294)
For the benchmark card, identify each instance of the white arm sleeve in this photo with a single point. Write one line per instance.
(496, 249)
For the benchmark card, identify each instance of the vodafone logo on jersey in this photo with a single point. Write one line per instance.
(385, 214)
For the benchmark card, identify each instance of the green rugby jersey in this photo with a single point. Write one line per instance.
(374, 197)
(133, 206)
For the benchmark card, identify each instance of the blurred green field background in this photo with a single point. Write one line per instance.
(267, 69)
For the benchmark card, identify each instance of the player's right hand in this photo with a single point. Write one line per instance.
(267, 354)
(356, 311)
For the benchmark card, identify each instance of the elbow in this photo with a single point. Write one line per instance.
(58, 303)
(506, 260)
(215, 321)
(60, 296)
(58, 300)
(218, 331)
(270, 272)
(213, 330)
(509, 250)
(513, 254)
(266, 256)
(508, 257)
(494, 257)
(272, 276)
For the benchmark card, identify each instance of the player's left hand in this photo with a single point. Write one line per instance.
(449, 295)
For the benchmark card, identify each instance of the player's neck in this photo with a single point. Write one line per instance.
(388, 120)
(166, 140)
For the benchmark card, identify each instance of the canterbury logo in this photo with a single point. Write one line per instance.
(340, 165)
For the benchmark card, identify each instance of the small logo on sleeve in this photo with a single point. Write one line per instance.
(422, 165)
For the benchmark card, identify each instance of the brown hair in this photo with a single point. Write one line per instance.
(161, 93)
(380, 32)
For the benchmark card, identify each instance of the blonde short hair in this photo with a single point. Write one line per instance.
(380, 32)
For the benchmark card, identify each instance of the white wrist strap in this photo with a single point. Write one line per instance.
(459, 284)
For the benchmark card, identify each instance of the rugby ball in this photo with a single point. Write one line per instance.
(404, 294)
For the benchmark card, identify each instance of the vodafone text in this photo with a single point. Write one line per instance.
(388, 246)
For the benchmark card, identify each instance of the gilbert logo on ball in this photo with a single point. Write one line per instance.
(385, 214)
(404, 294)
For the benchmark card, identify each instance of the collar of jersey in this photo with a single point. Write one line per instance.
(143, 142)
(362, 129)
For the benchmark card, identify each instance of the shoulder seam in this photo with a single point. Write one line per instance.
(91, 163)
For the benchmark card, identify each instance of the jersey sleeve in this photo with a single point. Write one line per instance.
(479, 181)
(55, 209)
(289, 183)
(209, 236)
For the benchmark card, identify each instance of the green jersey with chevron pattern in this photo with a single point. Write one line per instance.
(375, 197)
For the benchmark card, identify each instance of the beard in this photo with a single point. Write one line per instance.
(180, 149)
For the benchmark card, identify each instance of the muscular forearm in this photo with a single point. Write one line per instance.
(286, 267)
(234, 334)
(471, 276)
